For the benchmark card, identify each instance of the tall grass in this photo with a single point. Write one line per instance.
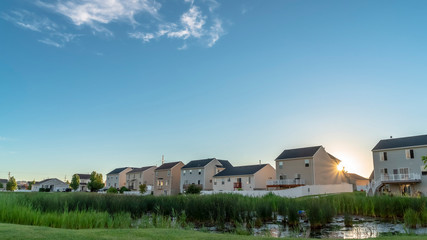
(91, 210)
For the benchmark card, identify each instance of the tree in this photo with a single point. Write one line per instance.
(424, 158)
(75, 182)
(96, 182)
(11, 184)
(123, 189)
(30, 184)
(142, 188)
(193, 189)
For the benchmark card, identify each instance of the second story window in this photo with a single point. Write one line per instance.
(307, 163)
(280, 165)
(383, 156)
(282, 177)
(169, 173)
(183, 172)
(200, 171)
(409, 153)
(191, 171)
(383, 171)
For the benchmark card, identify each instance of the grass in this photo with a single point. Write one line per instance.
(92, 210)
(17, 232)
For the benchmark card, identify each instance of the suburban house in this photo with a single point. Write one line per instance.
(139, 176)
(3, 182)
(306, 166)
(201, 172)
(398, 166)
(359, 183)
(84, 180)
(250, 177)
(53, 184)
(167, 178)
(117, 177)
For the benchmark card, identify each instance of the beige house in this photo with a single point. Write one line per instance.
(251, 177)
(167, 178)
(306, 166)
(139, 176)
(201, 172)
(117, 177)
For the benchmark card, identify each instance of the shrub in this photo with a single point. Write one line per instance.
(123, 189)
(411, 218)
(142, 188)
(112, 190)
(193, 189)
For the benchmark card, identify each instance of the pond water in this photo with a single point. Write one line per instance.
(363, 227)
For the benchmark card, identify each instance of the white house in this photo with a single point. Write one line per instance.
(53, 184)
(84, 180)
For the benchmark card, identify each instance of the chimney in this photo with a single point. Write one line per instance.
(163, 159)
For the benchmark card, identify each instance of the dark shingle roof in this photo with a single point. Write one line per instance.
(117, 170)
(3, 181)
(84, 176)
(401, 142)
(203, 162)
(225, 163)
(167, 166)
(298, 152)
(140, 169)
(241, 170)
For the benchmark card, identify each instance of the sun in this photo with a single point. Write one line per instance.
(340, 167)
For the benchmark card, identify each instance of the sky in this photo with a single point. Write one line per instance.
(95, 85)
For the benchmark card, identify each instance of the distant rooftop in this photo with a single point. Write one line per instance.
(401, 142)
(298, 152)
(167, 165)
(203, 162)
(241, 170)
(84, 176)
(140, 169)
(117, 170)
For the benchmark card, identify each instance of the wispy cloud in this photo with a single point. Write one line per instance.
(96, 13)
(199, 22)
(3, 138)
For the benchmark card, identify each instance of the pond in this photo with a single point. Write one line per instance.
(363, 227)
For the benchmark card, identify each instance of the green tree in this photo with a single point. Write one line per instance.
(96, 182)
(112, 190)
(193, 189)
(142, 188)
(75, 182)
(11, 184)
(124, 189)
(30, 184)
(424, 158)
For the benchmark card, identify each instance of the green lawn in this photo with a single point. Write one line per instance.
(16, 232)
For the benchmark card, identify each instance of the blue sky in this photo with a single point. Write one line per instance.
(95, 85)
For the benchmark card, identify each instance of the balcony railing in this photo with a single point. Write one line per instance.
(411, 177)
(237, 185)
(285, 182)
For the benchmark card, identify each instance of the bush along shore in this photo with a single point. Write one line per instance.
(91, 210)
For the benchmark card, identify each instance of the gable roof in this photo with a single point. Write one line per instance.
(241, 170)
(356, 176)
(203, 162)
(118, 170)
(401, 142)
(140, 169)
(43, 181)
(84, 176)
(334, 158)
(298, 152)
(167, 165)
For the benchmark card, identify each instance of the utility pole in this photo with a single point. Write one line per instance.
(8, 175)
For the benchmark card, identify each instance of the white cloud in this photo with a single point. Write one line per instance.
(3, 138)
(97, 12)
(215, 32)
(145, 37)
(28, 20)
(51, 42)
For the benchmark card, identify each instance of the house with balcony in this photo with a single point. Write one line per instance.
(117, 177)
(250, 177)
(201, 172)
(167, 178)
(139, 176)
(398, 166)
(306, 166)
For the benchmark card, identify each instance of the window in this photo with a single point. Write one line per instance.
(395, 171)
(222, 181)
(228, 180)
(210, 181)
(198, 182)
(282, 177)
(383, 156)
(200, 171)
(383, 171)
(169, 173)
(404, 171)
(307, 163)
(409, 153)
(157, 174)
(280, 165)
(183, 172)
(297, 176)
(191, 171)
(249, 180)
